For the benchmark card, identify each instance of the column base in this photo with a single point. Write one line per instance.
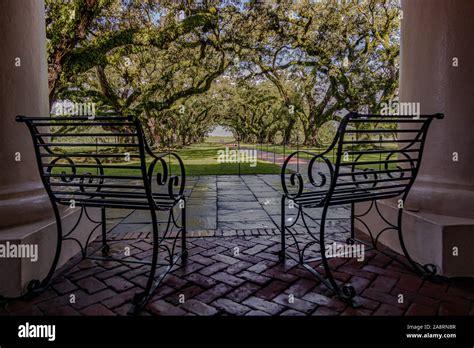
(429, 238)
(17, 272)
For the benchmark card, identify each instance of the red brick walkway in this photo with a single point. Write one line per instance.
(217, 280)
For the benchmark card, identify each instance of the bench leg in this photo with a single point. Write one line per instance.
(351, 239)
(347, 291)
(140, 299)
(426, 271)
(105, 246)
(184, 249)
(281, 253)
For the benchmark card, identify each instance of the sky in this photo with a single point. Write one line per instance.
(219, 131)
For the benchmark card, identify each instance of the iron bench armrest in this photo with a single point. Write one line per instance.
(296, 179)
(175, 183)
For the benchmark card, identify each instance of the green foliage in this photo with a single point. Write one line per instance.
(271, 71)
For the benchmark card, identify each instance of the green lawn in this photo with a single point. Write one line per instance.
(199, 159)
(288, 150)
(220, 139)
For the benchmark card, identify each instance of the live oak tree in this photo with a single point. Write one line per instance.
(259, 68)
(340, 55)
(167, 60)
(252, 111)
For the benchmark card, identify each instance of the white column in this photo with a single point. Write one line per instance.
(26, 216)
(437, 71)
(23, 90)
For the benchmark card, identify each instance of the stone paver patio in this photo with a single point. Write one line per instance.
(233, 268)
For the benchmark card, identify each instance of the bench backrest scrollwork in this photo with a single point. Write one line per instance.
(378, 156)
(371, 157)
(97, 162)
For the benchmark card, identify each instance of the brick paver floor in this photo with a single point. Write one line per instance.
(234, 270)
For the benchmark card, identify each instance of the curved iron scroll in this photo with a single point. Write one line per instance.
(315, 178)
(84, 179)
(175, 183)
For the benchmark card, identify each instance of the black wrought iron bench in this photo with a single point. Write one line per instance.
(375, 158)
(103, 164)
